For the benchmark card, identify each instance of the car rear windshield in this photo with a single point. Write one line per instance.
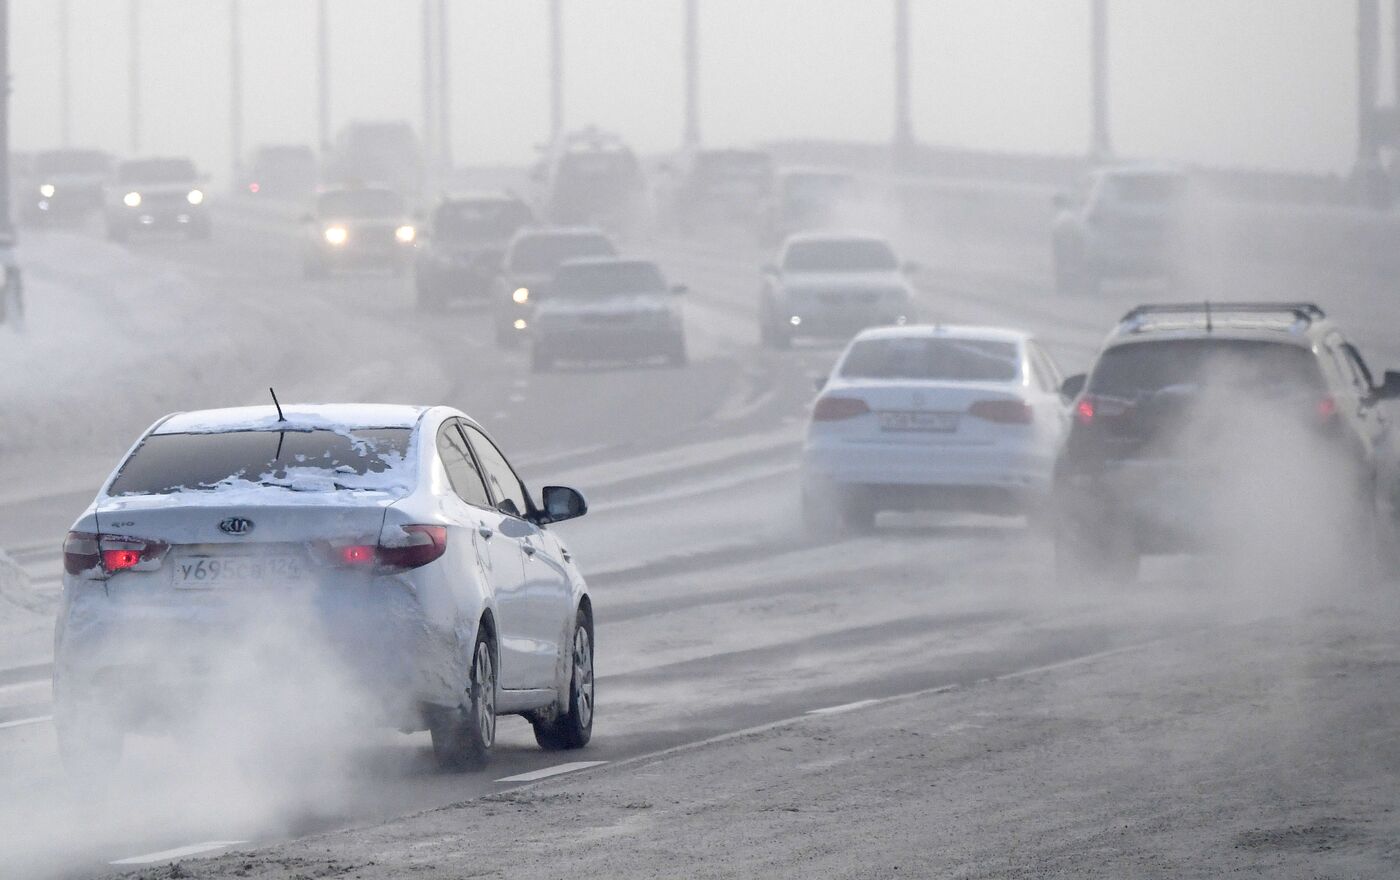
(319, 460)
(72, 162)
(476, 220)
(1139, 369)
(604, 279)
(362, 203)
(157, 171)
(840, 255)
(544, 253)
(947, 360)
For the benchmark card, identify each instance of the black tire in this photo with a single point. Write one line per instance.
(463, 737)
(574, 728)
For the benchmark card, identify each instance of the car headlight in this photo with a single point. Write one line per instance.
(132, 200)
(47, 190)
(195, 197)
(405, 234)
(336, 235)
(520, 324)
(521, 295)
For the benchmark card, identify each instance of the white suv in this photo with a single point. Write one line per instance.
(394, 544)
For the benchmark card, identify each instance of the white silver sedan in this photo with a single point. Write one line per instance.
(391, 545)
(933, 417)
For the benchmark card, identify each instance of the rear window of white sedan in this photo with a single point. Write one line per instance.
(948, 360)
(319, 460)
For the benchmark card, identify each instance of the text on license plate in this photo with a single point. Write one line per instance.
(919, 421)
(214, 571)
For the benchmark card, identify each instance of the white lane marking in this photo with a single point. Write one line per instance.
(21, 722)
(844, 707)
(178, 853)
(551, 771)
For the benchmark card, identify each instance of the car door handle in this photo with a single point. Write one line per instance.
(485, 532)
(528, 548)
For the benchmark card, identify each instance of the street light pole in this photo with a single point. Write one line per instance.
(691, 137)
(1100, 145)
(65, 76)
(556, 73)
(1368, 56)
(133, 85)
(235, 96)
(444, 89)
(903, 114)
(323, 78)
(7, 229)
(429, 83)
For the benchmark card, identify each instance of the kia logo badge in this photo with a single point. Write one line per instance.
(236, 525)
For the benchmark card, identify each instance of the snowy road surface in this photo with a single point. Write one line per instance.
(714, 614)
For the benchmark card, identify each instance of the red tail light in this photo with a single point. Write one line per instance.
(1003, 412)
(1327, 408)
(421, 545)
(836, 409)
(253, 188)
(1084, 411)
(101, 555)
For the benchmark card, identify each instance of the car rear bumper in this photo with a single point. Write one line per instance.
(607, 342)
(1018, 469)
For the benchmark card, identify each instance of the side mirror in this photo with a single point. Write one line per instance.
(1389, 389)
(1062, 200)
(561, 503)
(679, 289)
(1073, 385)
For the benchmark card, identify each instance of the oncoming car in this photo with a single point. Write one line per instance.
(527, 270)
(831, 285)
(398, 536)
(933, 417)
(359, 228)
(1121, 222)
(608, 309)
(157, 195)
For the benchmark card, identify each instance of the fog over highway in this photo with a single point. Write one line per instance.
(899, 557)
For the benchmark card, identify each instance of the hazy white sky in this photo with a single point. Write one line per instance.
(1247, 82)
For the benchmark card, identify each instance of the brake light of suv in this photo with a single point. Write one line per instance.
(99, 556)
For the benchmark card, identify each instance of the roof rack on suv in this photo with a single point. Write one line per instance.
(1304, 312)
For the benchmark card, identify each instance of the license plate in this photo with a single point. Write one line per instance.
(938, 422)
(209, 572)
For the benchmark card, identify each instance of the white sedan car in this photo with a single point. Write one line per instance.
(393, 545)
(933, 417)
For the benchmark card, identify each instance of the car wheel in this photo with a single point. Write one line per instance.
(90, 741)
(574, 728)
(1107, 559)
(463, 737)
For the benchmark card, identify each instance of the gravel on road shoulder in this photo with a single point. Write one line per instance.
(1268, 750)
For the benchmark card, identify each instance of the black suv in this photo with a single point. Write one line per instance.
(1252, 428)
(462, 251)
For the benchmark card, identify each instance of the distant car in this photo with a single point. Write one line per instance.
(1121, 222)
(157, 195)
(527, 270)
(282, 171)
(808, 199)
(388, 551)
(462, 251)
(65, 185)
(933, 418)
(595, 179)
(359, 229)
(722, 187)
(1220, 427)
(607, 308)
(831, 285)
(379, 152)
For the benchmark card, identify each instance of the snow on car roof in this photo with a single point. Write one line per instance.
(300, 417)
(948, 331)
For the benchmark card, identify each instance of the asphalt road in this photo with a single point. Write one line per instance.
(714, 613)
